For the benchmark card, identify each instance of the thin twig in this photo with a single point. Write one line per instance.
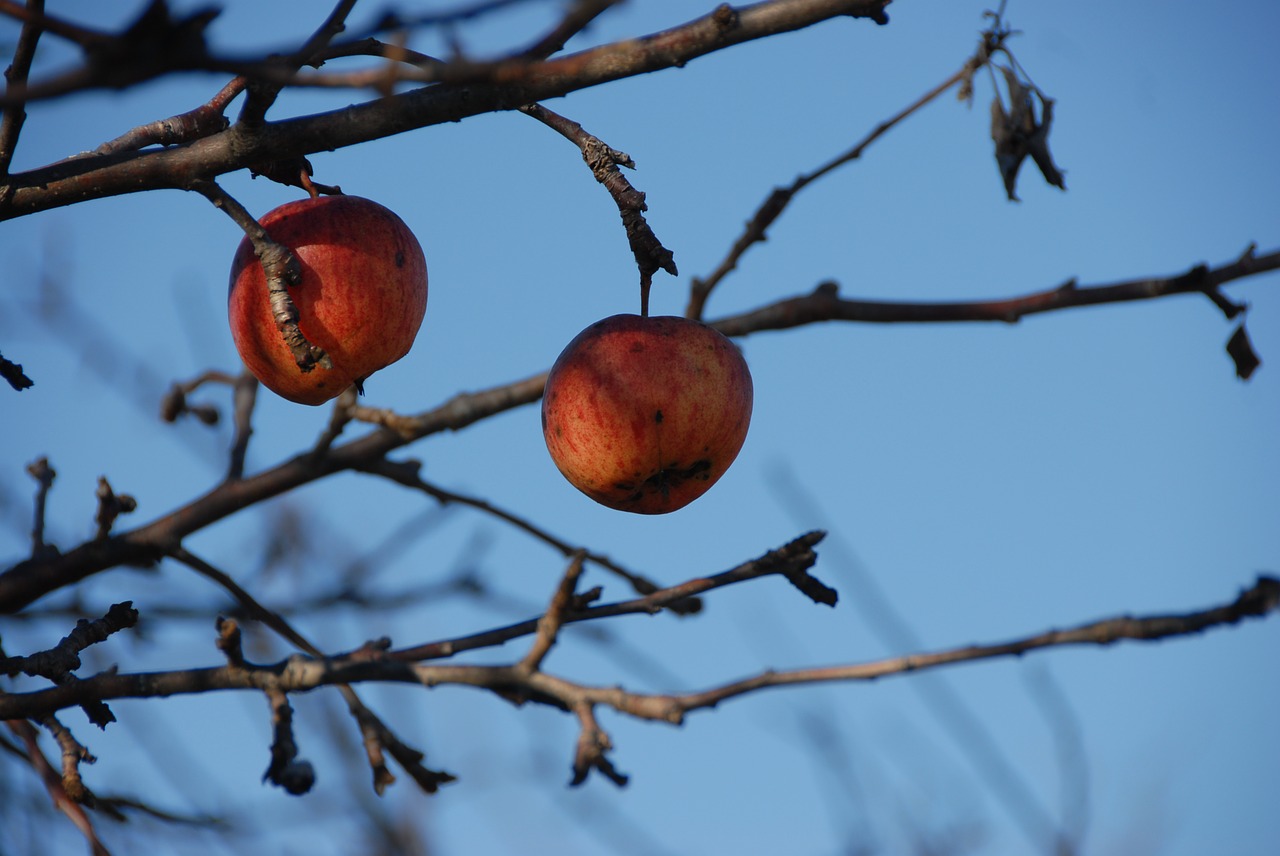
(562, 603)
(650, 255)
(407, 473)
(15, 115)
(44, 474)
(299, 674)
(825, 304)
(777, 201)
(371, 727)
(243, 399)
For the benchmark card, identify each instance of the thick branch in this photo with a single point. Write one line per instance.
(507, 88)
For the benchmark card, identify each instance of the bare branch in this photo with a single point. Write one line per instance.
(53, 784)
(651, 256)
(282, 270)
(407, 473)
(300, 674)
(174, 404)
(110, 506)
(825, 304)
(374, 732)
(286, 770)
(499, 87)
(562, 603)
(243, 400)
(15, 115)
(207, 119)
(64, 658)
(777, 201)
(13, 375)
(44, 474)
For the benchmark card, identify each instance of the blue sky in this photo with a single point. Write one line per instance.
(990, 481)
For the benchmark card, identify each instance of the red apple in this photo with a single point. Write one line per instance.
(645, 414)
(362, 296)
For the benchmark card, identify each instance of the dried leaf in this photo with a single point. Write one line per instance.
(1241, 351)
(1018, 133)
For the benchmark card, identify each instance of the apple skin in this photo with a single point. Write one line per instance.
(645, 414)
(362, 297)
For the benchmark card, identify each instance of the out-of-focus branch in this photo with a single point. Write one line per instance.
(53, 784)
(174, 404)
(64, 658)
(13, 375)
(408, 473)
(110, 506)
(791, 561)
(44, 474)
(15, 115)
(285, 771)
(576, 19)
(563, 602)
(261, 94)
(209, 118)
(243, 400)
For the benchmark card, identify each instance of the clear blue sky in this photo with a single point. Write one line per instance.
(991, 481)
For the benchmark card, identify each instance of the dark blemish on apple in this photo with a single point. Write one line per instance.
(399, 258)
(657, 417)
(672, 476)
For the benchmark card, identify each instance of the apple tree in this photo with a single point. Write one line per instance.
(284, 527)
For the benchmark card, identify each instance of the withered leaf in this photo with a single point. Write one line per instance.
(1018, 133)
(1241, 351)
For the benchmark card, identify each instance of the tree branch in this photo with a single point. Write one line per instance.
(777, 201)
(34, 578)
(15, 115)
(502, 87)
(825, 304)
(300, 674)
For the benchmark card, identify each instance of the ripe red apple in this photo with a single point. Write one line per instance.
(362, 297)
(645, 414)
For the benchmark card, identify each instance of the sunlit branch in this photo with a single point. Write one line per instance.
(505, 87)
(825, 303)
(302, 674)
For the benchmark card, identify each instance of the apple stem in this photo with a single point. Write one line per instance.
(308, 186)
(646, 280)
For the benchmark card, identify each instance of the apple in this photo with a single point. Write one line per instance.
(362, 295)
(645, 414)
